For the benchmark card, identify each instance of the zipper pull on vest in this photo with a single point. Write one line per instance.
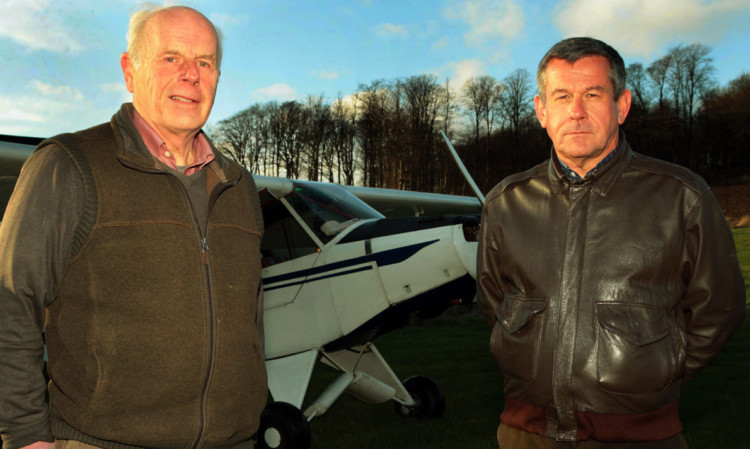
(204, 253)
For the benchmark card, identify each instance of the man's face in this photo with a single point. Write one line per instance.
(580, 113)
(175, 83)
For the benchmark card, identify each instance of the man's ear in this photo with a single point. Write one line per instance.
(541, 113)
(127, 70)
(623, 106)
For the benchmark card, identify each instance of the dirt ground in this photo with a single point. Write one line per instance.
(735, 201)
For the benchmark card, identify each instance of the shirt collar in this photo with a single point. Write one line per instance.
(158, 148)
(573, 176)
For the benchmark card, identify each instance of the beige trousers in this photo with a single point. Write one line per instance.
(72, 444)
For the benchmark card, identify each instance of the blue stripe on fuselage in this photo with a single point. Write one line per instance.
(381, 259)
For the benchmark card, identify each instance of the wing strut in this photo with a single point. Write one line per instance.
(461, 167)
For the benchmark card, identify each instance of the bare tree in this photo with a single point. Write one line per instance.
(236, 133)
(690, 78)
(265, 156)
(516, 99)
(697, 77)
(372, 128)
(423, 101)
(481, 98)
(286, 133)
(638, 85)
(344, 122)
(316, 134)
(658, 72)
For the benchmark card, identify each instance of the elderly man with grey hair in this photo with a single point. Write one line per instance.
(135, 246)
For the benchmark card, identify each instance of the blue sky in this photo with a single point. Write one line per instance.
(61, 71)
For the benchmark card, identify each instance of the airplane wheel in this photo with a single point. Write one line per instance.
(430, 402)
(283, 426)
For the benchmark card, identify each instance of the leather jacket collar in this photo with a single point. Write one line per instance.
(604, 178)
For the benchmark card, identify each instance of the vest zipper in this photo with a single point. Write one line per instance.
(204, 253)
(210, 314)
(210, 307)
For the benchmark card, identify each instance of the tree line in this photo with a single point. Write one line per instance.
(388, 133)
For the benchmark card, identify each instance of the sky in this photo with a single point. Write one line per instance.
(61, 72)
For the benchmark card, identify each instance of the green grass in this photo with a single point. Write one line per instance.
(454, 351)
(742, 240)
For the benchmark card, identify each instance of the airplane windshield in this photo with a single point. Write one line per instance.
(331, 202)
(334, 208)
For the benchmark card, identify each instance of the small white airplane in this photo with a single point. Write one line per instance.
(336, 274)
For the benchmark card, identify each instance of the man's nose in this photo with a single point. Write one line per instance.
(577, 109)
(190, 71)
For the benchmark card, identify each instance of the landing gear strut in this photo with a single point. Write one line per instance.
(428, 398)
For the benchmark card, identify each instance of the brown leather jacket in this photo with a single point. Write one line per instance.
(605, 294)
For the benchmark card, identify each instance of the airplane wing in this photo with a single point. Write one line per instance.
(402, 203)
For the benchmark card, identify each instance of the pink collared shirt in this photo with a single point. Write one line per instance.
(158, 148)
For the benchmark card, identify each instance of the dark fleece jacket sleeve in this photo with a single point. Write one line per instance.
(35, 244)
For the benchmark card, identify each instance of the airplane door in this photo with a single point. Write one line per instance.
(356, 289)
(288, 254)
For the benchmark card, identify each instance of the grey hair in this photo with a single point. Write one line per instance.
(141, 16)
(575, 48)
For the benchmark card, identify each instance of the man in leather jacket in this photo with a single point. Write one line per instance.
(610, 278)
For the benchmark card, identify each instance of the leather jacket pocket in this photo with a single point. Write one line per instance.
(634, 355)
(517, 336)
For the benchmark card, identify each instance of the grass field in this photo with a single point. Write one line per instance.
(453, 350)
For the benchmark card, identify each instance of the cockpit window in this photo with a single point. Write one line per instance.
(284, 238)
(327, 208)
(331, 202)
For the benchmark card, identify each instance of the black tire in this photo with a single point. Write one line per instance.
(430, 402)
(283, 426)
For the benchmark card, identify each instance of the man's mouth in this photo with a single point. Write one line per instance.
(182, 99)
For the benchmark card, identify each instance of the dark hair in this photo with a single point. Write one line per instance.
(575, 48)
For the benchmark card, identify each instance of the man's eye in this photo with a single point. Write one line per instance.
(170, 59)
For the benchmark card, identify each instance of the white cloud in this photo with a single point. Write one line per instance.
(14, 111)
(326, 75)
(34, 115)
(58, 93)
(348, 102)
(43, 109)
(465, 70)
(390, 30)
(488, 19)
(31, 25)
(644, 27)
(278, 91)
